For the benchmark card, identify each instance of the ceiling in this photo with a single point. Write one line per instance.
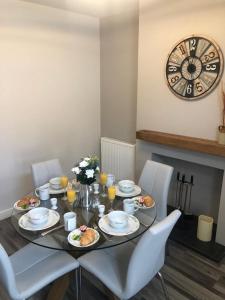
(96, 8)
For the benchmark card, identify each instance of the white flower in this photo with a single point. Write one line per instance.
(76, 170)
(97, 168)
(83, 164)
(87, 158)
(89, 173)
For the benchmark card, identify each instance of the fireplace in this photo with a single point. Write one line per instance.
(203, 159)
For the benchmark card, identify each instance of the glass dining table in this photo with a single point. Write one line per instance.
(58, 239)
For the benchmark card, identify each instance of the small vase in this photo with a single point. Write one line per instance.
(85, 195)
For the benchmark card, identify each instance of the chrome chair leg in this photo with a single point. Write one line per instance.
(80, 283)
(163, 286)
(77, 285)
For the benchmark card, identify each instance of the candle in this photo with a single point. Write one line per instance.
(111, 192)
(71, 195)
(205, 226)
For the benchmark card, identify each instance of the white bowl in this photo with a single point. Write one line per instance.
(55, 183)
(126, 186)
(118, 219)
(38, 215)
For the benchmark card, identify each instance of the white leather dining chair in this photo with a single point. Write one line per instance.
(31, 268)
(45, 170)
(155, 180)
(127, 268)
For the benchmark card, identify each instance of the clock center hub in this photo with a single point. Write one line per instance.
(191, 68)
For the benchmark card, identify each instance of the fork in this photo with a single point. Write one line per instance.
(95, 226)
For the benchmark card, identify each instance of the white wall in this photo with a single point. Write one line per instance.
(49, 91)
(119, 53)
(162, 24)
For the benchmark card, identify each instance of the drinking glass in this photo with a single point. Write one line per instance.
(111, 195)
(64, 182)
(71, 195)
(103, 180)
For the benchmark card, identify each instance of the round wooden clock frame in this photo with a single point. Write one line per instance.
(194, 67)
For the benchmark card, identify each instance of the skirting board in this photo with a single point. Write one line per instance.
(5, 213)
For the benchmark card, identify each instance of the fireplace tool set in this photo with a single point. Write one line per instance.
(183, 194)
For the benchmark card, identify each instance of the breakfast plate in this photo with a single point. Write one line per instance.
(142, 205)
(53, 218)
(135, 192)
(74, 238)
(26, 203)
(133, 225)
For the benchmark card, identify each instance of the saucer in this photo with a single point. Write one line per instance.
(53, 218)
(135, 192)
(133, 225)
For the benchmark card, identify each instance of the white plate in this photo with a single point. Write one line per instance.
(77, 243)
(133, 225)
(53, 218)
(139, 205)
(136, 191)
(28, 208)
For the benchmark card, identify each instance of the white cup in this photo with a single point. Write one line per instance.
(42, 192)
(70, 221)
(110, 180)
(96, 188)
(129, 206)
(101, 210)
(53, 203)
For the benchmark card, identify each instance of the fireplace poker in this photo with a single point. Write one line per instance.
(177, 188)
(181, 191)
(186, 185)
(191, 185)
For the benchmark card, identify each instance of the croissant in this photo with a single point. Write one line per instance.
(87, 237)
(148, 201)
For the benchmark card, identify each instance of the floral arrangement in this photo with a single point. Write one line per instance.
(86, 170)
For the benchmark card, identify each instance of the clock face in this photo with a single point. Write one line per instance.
(194, 67)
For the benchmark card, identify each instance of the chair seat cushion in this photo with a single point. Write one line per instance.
(36, 266)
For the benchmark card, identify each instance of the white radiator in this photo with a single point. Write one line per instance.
(118, 158)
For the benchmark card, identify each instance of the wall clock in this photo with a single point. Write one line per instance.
(194, 67)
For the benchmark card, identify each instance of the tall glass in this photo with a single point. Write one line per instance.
(64, 182)
(103, 180)
(71, 195)
(111, 195)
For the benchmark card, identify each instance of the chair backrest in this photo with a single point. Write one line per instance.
(155, 180)
(7, 276)
(147, 258)
(43, 171)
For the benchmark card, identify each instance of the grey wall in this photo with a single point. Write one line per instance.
(118, 59)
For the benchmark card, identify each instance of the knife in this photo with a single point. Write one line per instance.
(53, 229)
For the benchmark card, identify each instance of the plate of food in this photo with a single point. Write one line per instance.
(83, 237)
(144, 202)
(27, 203)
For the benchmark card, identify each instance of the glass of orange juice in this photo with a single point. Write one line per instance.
(64, 182)
(71, 195)
(103, 181)
(111, 195)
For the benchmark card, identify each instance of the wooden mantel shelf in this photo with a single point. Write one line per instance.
(183, 142)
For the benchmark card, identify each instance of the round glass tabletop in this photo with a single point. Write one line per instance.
(58, 238)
